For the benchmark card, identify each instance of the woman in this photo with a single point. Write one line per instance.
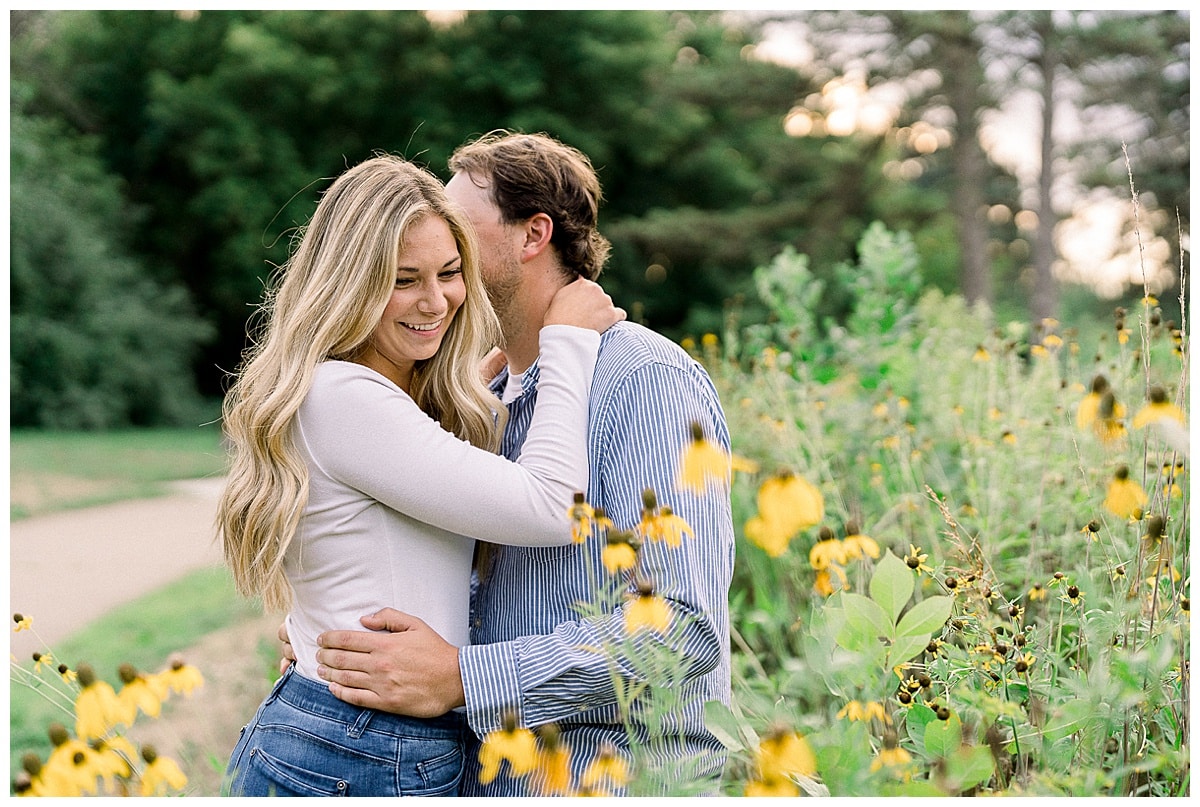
(363, 466)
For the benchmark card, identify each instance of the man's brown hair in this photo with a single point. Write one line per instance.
(534, 173)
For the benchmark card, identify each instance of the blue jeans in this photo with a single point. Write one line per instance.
(305, 742)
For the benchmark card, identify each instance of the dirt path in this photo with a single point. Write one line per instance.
(67, 569)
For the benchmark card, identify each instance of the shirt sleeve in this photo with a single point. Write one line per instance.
(646, 427)
(365, 432)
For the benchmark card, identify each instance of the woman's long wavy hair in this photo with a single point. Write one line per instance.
(325, 303)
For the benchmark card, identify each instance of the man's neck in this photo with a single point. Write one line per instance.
(521, 335)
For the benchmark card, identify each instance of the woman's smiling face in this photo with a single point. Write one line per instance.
(429, 290)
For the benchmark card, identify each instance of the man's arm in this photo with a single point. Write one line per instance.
(548, 677)
(644, 427)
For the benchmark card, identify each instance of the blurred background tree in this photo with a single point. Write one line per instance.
(199, 142)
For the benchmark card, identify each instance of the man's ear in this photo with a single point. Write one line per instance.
(538, 229)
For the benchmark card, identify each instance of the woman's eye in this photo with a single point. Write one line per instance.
(403, 282)
(451, 274)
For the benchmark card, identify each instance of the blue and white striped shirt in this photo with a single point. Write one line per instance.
(531, 650)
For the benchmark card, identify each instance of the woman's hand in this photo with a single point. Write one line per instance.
(584, 304)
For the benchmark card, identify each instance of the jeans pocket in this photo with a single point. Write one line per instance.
(271, 776)
(439, 767)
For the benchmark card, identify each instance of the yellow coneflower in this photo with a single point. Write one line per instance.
(161, 774)
(41, 660)
(1085, 414)
(553, 766)
(1074, 595)
(891, 756)
(581, 515)
(784, 788)
(181, 677)
(981, 354)
(97, 707)
(827, 551)
(915, 559)
(647, 610)
(1091, 530)
(70, 769)
(1124, 496)
(1052, 341)
(619, 553)
(607, 773)
(68, 675)
(660, 523)
(864, 712)
(1158, 408)
(23, 623)
(856, 545)
(113, 758)
(136, 693)
(509, 743)
(824, 583)
(705, 464)
(787, 504)
(784, 753)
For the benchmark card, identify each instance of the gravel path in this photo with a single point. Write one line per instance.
(67, 569)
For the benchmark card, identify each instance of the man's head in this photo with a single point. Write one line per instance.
(529, 174)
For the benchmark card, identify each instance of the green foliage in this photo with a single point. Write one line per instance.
(95, 343)
(1000, 644)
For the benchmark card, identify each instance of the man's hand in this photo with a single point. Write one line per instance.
(289, 655)
(410, 670)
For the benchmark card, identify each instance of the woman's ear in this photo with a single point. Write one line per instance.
(538, 229)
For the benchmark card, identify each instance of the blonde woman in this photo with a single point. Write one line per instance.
(363, 466)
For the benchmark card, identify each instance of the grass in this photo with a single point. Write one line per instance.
(63, 470)
(143, 633)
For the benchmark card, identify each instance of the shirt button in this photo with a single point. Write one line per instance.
(478, 622)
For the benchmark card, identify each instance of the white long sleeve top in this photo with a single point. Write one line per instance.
(395, 500)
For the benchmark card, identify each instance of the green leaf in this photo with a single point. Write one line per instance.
(1068, 719)
(919, 716)
(892, 585)
(943, 737)
(905, 648)
(723, 725)
(867, 615)
(969, 766)
(925, 617)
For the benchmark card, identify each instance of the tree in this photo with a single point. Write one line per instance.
(94, 342)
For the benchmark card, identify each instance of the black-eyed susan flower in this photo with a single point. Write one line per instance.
(41, 660)
(778, 788)
(606, 774)
(98, 710)
(137, 693)
(856, 545)
(181, 677)
(784, 753)
(553, 766)
(647, 610)
(829, 580)
(915, 559)
(787, 504)
(581, 515)
(619, 554)
(660, 523)
(510, 743)
(161, 775)
(1024, 663)
(1074, 595)
(70, 769)
(68, 675)
(1124, 496)
(891, 756)
(1091, 529)
(827, 551)
(23, 623)
(1158, 408)
(705, 464)
(864, 712)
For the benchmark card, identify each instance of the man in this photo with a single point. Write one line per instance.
(534, 202)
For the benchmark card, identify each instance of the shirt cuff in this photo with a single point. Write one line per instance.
(491, 685)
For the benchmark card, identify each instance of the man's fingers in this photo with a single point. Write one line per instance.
(356, 697)
(350, 679)
(390, 619)
(357, 641)
(345, 660)
(283, 665)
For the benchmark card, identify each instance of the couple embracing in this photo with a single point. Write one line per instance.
(411, 514)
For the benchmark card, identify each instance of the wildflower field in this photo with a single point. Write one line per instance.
(962, 561)
(964, 565)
